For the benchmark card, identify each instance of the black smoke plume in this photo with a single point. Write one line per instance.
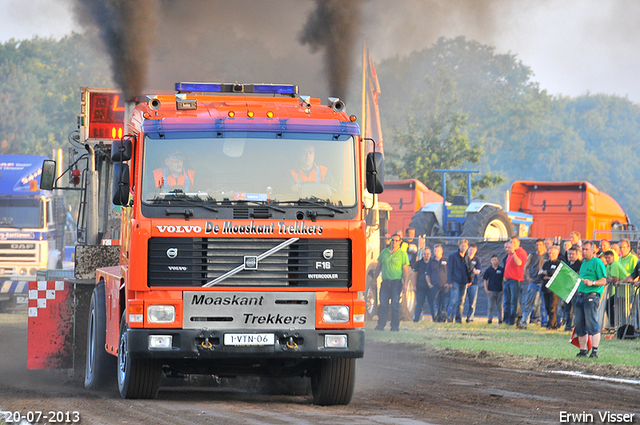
(333, 26)
(126, 28)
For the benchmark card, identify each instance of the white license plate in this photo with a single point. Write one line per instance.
(249, 339)
(22, 299)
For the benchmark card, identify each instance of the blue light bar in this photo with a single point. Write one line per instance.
(199, 87)
(275, 88)
(286, 89)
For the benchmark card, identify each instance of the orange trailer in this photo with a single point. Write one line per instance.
(406, 197)
(559, 208)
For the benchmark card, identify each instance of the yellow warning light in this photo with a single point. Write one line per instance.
(231, 114)
(353, 118)
(270, 114)
(250, 114)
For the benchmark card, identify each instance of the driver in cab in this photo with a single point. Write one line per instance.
(308, 171)
(174, 174)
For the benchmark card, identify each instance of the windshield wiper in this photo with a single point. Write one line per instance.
(260, 203)
(187, 198)
(318, 202)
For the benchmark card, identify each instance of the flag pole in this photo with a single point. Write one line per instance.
(364, 88)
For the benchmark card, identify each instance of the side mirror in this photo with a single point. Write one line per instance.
(120, 186)
(122, 150)
(375, 172)
(48, 176)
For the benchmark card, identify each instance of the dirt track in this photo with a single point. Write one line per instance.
(396, 384)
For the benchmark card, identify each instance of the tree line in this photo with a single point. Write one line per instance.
(459, 104)
(455, 104)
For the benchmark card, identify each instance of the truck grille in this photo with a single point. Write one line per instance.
(195, 262)
(18, 252)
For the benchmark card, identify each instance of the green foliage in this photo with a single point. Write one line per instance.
(456, 104)
(491, 105)
(40, 82)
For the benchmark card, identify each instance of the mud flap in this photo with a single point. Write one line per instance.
(50, 328)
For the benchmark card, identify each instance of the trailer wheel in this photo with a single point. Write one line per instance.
(490, 223)
(425, 223)
(100, 366)
(408, 302)
(334, 381)
(371, 297)
(137, 378)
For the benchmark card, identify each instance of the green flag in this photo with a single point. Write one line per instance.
(564, 282)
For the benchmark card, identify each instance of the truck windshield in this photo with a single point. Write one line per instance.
(279, 169)
(21, 213)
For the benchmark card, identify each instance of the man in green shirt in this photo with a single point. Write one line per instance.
(593, 274)
(628, 259)
(394, 264)
(615, 273)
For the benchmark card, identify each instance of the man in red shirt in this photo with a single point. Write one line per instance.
(513, 276)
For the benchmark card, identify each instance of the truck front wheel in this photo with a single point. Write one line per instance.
(100, 365)
(137, 377)
(334, 381)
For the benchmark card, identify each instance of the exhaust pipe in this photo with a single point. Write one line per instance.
(336, 104)
(154, 102)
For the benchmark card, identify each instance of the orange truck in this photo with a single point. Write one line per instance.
(558, 208)
(239, 247)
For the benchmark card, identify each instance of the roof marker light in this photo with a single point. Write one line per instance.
(250, 114)
(231, 114)
(269, 114)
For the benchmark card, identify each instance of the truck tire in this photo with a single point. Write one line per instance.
(371, 297)
(490, 223)
(100, 366)
(334, 381)
(425, 223)
(137, 378)
(408, 302)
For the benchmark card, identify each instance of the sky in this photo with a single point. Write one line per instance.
(572, 46)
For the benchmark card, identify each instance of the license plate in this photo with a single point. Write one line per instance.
(22, 299)
(249, 339)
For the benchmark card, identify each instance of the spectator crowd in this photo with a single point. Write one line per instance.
(515, 283)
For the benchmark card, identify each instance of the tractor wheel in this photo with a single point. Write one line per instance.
(100, 368)
(490, 223)
(425, 223)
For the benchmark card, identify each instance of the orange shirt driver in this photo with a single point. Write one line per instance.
(309, 171)
(174, 174)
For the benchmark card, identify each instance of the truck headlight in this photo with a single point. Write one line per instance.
(335, 314)
(161, 314)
